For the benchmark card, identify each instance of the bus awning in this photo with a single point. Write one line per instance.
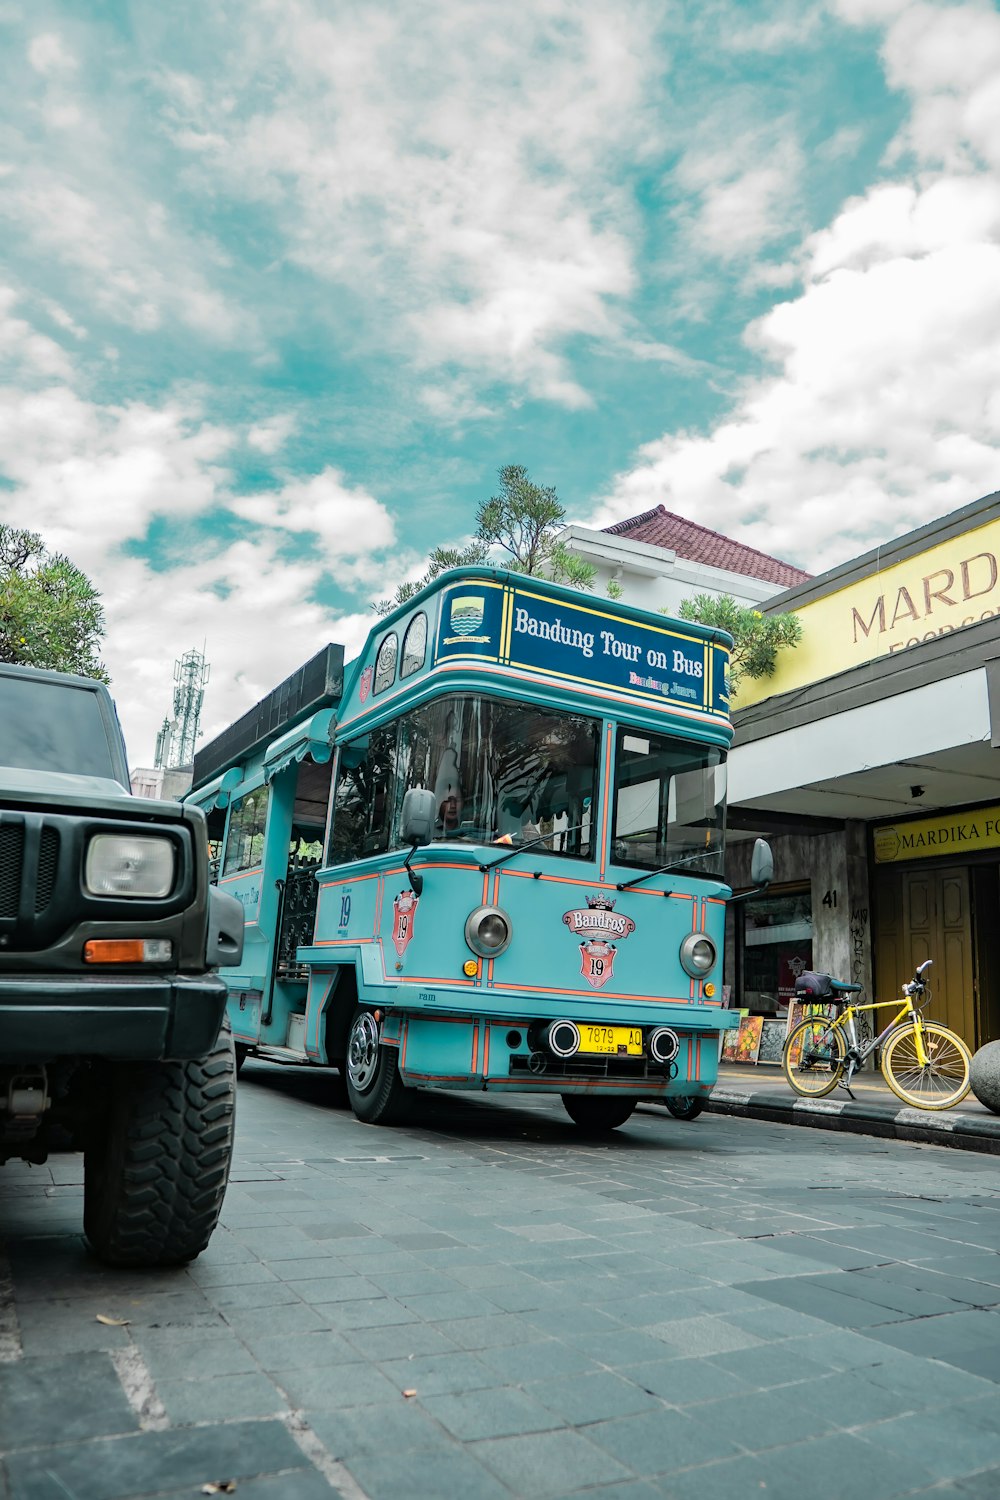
(218, 792)
(313, 737)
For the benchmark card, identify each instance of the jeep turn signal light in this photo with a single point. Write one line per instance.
(127, 950)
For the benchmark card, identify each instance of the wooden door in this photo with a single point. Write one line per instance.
(925, 914)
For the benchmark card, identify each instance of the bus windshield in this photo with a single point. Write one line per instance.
(498, 770)
(670, 803)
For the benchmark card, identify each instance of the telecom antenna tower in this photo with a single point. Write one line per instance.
(190, 677)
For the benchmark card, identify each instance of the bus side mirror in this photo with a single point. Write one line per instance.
(417, 816)
(761, 864)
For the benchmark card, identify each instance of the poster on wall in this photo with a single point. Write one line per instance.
(772, 1041)
(731, 1037)
(748, 1039)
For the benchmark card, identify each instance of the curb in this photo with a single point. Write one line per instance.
(965, 1132)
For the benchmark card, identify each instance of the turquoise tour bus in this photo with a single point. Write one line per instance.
(487, 854)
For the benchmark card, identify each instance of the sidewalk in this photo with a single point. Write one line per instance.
(761, 1093)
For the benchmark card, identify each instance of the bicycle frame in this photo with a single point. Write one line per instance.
(858, 1053)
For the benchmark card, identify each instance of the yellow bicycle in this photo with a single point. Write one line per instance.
(924, 1063)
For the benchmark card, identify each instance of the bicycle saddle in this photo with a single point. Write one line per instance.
(823, 986)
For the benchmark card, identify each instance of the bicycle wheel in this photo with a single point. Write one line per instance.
(813, 1057)
(944, 1080)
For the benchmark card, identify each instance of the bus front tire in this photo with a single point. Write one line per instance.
(377, 1094)
(684, 1106)
(597, 1114)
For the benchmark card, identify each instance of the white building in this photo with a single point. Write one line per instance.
(658, 559)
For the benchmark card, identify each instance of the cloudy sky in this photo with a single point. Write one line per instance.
(284, 282)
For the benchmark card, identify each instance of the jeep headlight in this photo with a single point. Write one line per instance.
(488, 931)
(129, 865)
(697, 954)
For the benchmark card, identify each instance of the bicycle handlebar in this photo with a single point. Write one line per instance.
(916, 984)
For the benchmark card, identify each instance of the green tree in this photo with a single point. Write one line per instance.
(522, 522)
(757, 637)
(50, 613)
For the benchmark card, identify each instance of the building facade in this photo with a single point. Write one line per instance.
(870, 760)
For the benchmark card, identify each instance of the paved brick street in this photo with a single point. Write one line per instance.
(486, 1304)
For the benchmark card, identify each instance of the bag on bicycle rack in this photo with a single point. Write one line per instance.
(811, 986)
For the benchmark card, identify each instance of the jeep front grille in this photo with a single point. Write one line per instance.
(11, 862)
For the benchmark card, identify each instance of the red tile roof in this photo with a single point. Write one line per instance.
(661, 528)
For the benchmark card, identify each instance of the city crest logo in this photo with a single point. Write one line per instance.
(467, 612)
(365, 683)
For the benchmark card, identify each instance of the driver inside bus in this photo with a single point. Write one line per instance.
(448, 795)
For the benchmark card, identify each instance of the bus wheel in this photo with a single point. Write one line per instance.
(684, 1106)
(592, 1112)
(377, 1093)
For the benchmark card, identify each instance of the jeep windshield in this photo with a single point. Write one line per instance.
(53, 726)
(670, 803)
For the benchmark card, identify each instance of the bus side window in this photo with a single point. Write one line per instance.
(385, 662)
(245, 841)
(414, 646)
(363, 798)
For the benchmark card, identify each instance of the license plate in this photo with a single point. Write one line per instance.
(618, 1041)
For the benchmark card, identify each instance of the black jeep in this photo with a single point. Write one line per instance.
(112, 1035)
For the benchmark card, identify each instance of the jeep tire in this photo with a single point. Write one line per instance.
(155, 1172)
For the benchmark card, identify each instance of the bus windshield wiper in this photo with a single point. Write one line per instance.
(556, 832)
(674, 864)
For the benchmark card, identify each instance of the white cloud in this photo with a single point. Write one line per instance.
(272, 434)
(25, 351)
(745, 188)
(47, 54)
(348, 521)
(463, 176)
(880, 409)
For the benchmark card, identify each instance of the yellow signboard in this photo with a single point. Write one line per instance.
(950, 833)
(953, 584)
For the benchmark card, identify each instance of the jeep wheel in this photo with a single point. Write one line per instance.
(155, 1178)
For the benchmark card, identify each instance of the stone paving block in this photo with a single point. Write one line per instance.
(490, 1413)
(425, 1476)
(704, 1336)
(284, 1351)
(389, 1427)
(292, 1317)
(661, 1442)
(546, 1359)
(333, 1386)
(957, 1440)
(399, 1341)
(197, 1359)
(768, 1366)
(434, 1374)
(124, 1468)
(293, 1484)
(273, 1293)
(36, 1403)
(487, 1333)
(627, 1347)
(686, 1382)
(549, 1463)
(220, 1398)
(842, 1466)
(366, 1312)
(335, 1289)
(449, 1305)
(596, 1397)
(311, 1268)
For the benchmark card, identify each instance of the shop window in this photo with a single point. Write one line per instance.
(777, 947)
(414, 646)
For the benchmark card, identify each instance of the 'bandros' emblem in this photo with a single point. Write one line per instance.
(404, 910)
(365, 683)
(597, 923)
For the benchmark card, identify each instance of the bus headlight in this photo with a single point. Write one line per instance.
(129, 865)
(697, 954)
(488, 931)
